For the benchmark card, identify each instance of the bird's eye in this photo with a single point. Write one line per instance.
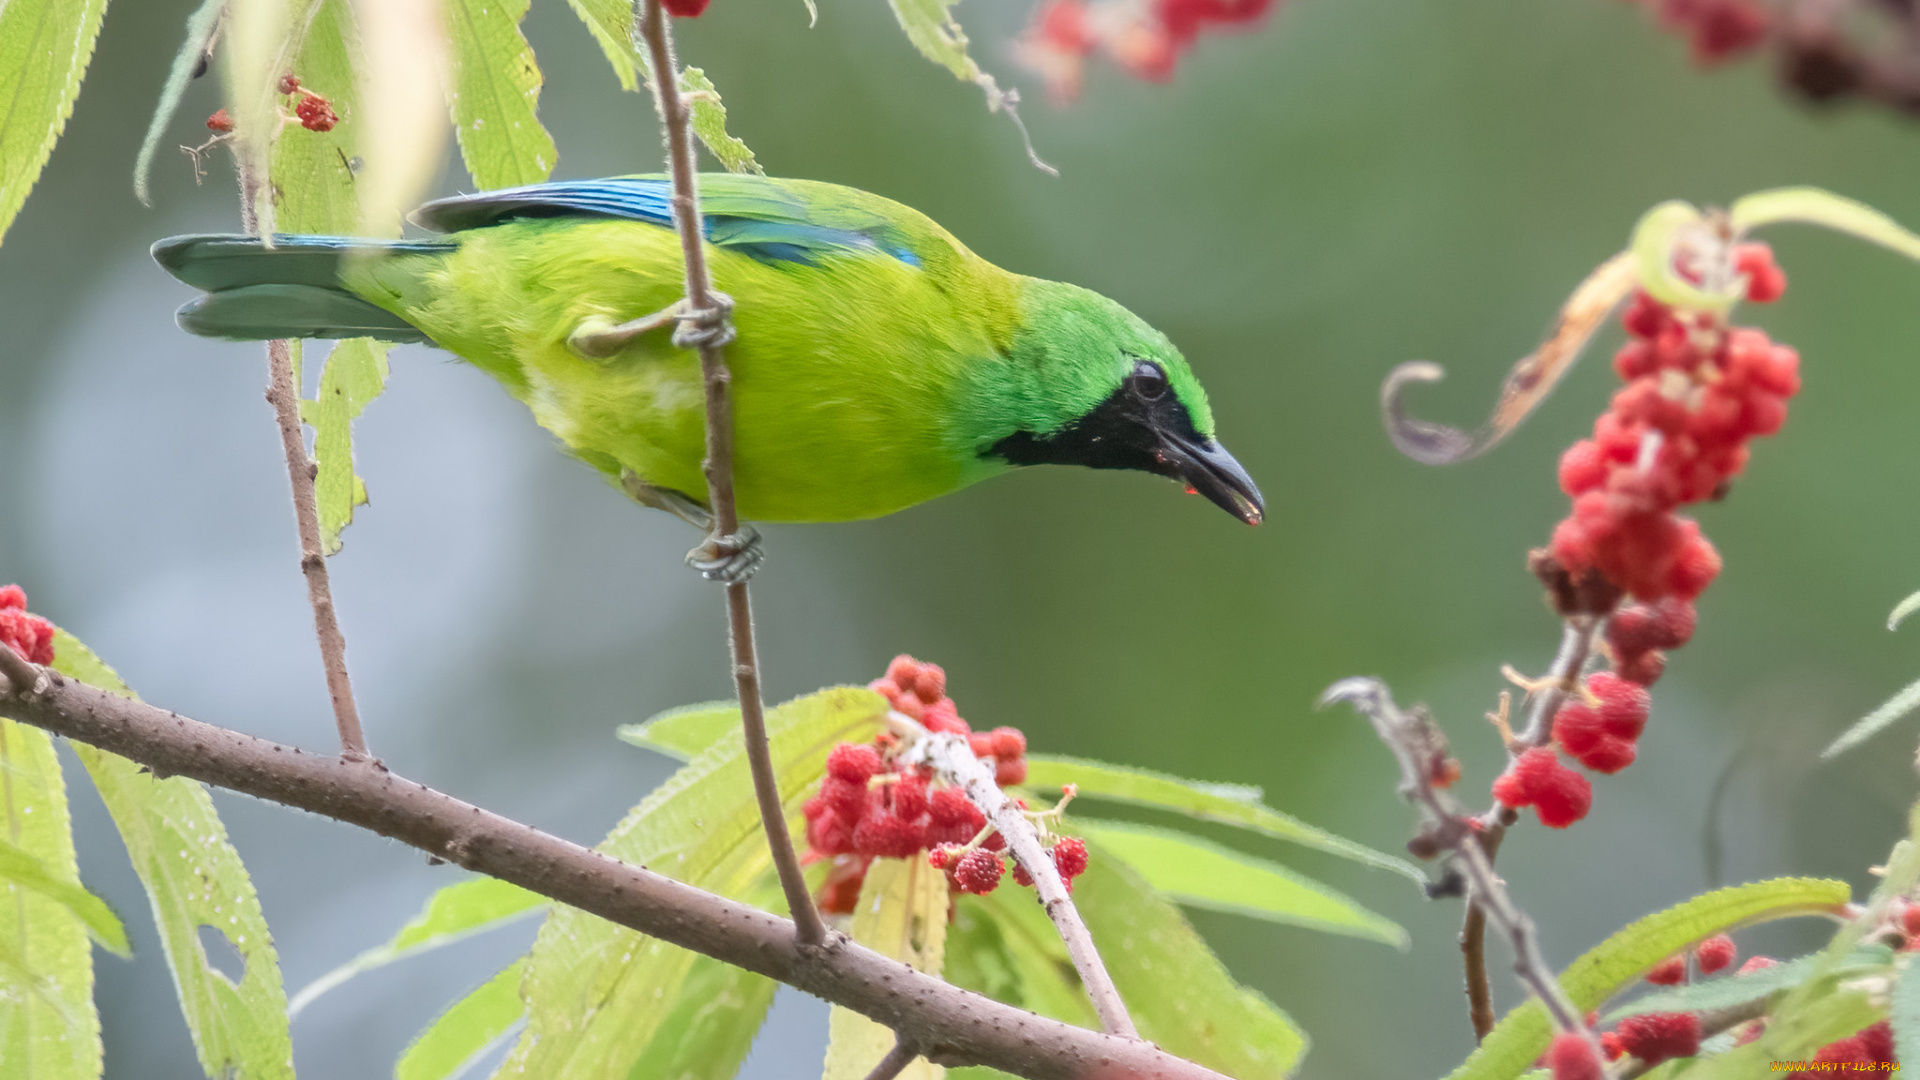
(1148, 381)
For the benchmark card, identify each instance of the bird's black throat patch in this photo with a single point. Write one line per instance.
(1126, 431)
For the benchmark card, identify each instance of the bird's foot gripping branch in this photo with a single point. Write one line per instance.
(1623, 571)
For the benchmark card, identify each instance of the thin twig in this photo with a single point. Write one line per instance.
(897, 1059)
(1576, 644)
(283, 393)
(955, 763)
(950, 1026)
(677, 121)
(1415, 742)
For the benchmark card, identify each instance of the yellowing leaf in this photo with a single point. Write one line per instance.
(44, 49)
(195, 880)
(902, 914)
(494, 93)
(1813, 206)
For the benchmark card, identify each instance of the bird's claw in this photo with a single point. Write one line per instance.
(705, 328)
(730, 559)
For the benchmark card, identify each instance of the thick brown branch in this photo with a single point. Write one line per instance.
(950, 757)
(709, 314)
(945, 1024)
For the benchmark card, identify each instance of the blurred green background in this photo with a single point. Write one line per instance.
(1355, 184)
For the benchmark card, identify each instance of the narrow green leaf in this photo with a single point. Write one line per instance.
(195, 879)
(1004, 946)
(315, 172)
(1903, 609)
(902, 914)
(355, 374)
(715, 1017)
(1876, 721)
(1905, 1014)
(21, 867)
(200, 27)
(452, 914)
(684, 732)
(1740, 989)
(1792, 1035)
(931, 27)
(710, 124)
(611, 23)
(1200, 873)
(1521, 1036)
(48, 1027)
(1224, 803)
(1180, 995)
(595, 989)
(44, 49)
(495, 95)
(471, 1027)
(1814, 206)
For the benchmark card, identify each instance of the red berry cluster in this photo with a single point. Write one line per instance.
(1650, 1037)
(1571, 1057)
(314, 112)
(29, 635)
(1719, 30)
(1713, 955)
(1871, 1045)
(221, 122)
(1697, 391)
(873, 805)
(1147, 40)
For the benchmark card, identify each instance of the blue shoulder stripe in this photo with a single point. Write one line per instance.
(767, 229)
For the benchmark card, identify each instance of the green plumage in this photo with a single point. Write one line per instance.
(878, 363)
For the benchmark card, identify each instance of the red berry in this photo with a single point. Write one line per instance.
(910, 797)
(30, 635)
(1609, 755)
(981, 743)
(1696, 567)
(1726, 28)
(1645, 317)
(884, 833)
(856, 763)
(888, 689)
(1766, 282)
(1537, 778)
(1070, 856)
(978, 872)
(1644, 668)
(1634, 359)
(1756, 963)
(942, 718)
(1063, 24)
(994, 842)
(830, 834)
(684, 9)
(1021, 877)
(315, 113)
(1009, 773)
(1656, 1037)
(1910, 920)
(847, 799)
(1715, 954)
(1571, 1057)
(1667, 624)
(1623, 705)
(1669, 972)
(840, 893)
(289, 83)
(950, 806)
(1877, 1041)
(904, 671)
(1577, 728)
(943, 856)
(220, 122)
(1009, 743)
(1582, 468)
(931, 685)
(12, 596)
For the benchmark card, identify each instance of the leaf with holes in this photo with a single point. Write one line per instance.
(452, 914)
(710, 123)
(901, 914)
(1228, 804)
(495, 95)
(1198, 873)
(195, 879)
(44, 49)
(355, 374)
(594, 989)
(48, 1027)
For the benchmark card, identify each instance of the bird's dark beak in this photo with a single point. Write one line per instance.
(1208, 469)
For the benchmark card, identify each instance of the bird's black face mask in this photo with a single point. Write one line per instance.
(1143, 426)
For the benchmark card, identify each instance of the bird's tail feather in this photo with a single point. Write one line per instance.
(292, 289)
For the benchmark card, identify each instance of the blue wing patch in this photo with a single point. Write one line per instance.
(768, 224)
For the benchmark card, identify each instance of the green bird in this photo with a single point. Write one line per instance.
(878, 362)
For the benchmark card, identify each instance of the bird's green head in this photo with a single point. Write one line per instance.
(1087, 382)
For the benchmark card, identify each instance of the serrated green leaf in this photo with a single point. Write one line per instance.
(611, 23)
(1740, 989)
(930, 25)
(194, 878)
(1179, 994)
(495, 95)
(44, 49)
(1522, 1035)
(452, 914)
(1199, 873)
(710, 124)
(315, 173)
(471, 1027)
(1794, 1035)
(594, 989)
(684, 732)
(21, 867)
(355, 374)
(1890, 711)
(1814, 206)
(1227, 804)
(1003, 945)
(719, 1009)
(902, 914)
(1904, 1011)
(200, 28)
(49, 1029)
